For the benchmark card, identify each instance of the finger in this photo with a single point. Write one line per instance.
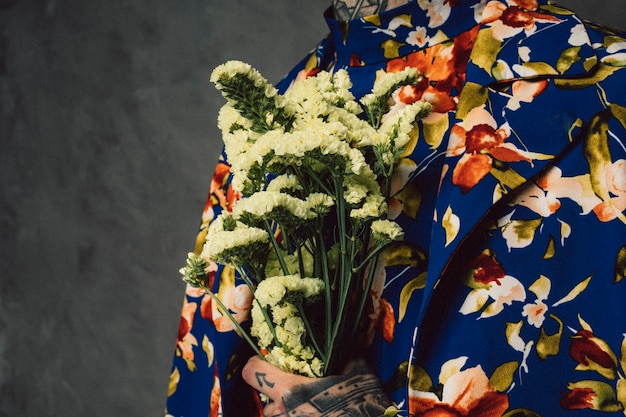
(269, 379)
(274, 409)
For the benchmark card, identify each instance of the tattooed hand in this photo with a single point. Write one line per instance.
(355, 393)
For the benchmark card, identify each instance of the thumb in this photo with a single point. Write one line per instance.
(269, 379)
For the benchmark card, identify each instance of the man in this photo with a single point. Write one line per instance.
(507, 296)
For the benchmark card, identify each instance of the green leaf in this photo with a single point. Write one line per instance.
(596, 151)
(549, 344)
(473, 95)
(550, 249)
(398, 379)
(621, 392)
(435, 132)
(539, 68)
(419, 380)
(507, 176)
(580, 287)
(391, 411)
(554, 9)
(619, 112)
(600, 73)
(502, 378)
(620, 266)
(568, 58)
(623, 356)
(416, 283)
(486, 49)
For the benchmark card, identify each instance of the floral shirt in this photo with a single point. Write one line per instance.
(508, 295)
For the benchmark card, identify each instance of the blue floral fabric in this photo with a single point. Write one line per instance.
(508, 295)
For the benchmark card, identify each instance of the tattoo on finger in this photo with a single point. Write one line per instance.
(261, 379)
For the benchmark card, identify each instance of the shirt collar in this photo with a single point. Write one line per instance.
(397, 32)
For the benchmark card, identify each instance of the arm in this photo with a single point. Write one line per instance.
(357, 390)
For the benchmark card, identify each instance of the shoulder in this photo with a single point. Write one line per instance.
(549, 42)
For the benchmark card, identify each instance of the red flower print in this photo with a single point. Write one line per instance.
(220, 194)
(587, 350)
(479, 140)
(306, 73)
(594, 395)
(489, 282)
(487, 269)
(578, 399)
(185, 339)
(592, 353)
(508, 21)
(443, 69)
(466, 393)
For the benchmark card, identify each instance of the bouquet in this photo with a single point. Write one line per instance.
(313, 167)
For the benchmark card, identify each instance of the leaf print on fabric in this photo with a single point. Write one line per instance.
(520, 233)
(452, 224)
(417, 283)
(209, 349)
(616, 48)
(514, 339)
(619, 269)
(173, 382)
(465, 392)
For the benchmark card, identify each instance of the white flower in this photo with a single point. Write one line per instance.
(373, 207)
(400, 124)
(233, 68)
(357, 187)
(283, 183)
(280, 313)
(228, 116)
(279, 293)
(320, 203)
(295, 157)
(262, 204)
(386, 230)
(220, 241)
(271, 290)
(386, 80)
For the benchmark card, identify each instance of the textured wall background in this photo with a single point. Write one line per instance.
(107, 144)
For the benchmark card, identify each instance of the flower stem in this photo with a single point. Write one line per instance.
(266, 316)
(276, 246)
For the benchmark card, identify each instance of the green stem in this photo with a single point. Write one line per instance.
(309, 330)
(277, 248)
(266, 316)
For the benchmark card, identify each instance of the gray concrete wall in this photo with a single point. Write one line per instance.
(107, 143)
